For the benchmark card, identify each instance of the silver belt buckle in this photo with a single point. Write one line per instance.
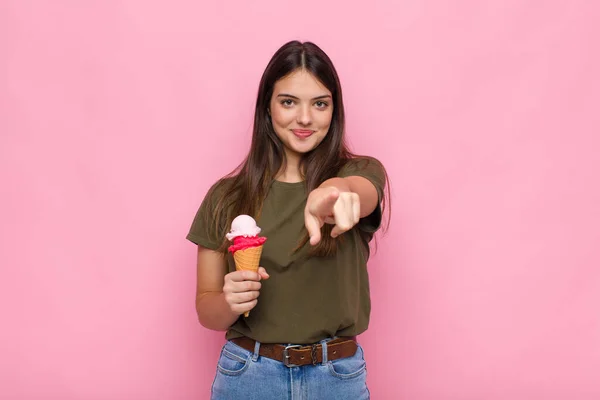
(286, 356)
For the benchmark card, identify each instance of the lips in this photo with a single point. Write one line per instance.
(303, 133)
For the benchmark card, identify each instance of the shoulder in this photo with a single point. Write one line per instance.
(363, 166)
(219, 188)
(209, 222)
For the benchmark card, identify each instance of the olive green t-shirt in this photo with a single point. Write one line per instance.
(307, 298)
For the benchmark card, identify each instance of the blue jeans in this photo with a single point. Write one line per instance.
(242, 374)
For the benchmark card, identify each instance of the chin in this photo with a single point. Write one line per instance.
(304, 149)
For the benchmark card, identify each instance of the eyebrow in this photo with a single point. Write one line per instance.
(297, 98)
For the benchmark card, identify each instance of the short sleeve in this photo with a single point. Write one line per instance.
(203, 231)
(371, 169)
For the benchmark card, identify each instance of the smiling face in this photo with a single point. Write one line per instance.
(301, 108)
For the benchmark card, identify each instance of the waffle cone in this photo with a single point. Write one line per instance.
(248, 260)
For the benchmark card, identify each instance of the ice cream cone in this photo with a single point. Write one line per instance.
(248, 260)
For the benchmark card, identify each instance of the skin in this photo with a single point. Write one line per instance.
(299, 101)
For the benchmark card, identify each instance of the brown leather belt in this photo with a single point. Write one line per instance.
(297, 355)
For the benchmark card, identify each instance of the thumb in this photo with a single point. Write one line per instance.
(263, 273)
(324, 206)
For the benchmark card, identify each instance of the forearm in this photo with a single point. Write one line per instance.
(342, 184)
(214, 312)
(361, 186)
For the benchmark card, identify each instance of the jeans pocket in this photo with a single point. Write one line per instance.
(232, 362)
(349, 367)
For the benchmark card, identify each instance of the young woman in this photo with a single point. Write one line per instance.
(319, 206)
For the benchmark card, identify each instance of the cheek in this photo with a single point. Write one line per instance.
(325, 121)
(281, 116)
(279, 121)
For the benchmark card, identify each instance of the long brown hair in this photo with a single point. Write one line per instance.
(244, 189)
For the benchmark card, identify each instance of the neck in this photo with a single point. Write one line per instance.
(290, 172)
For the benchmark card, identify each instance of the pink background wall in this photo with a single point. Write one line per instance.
(116, 116)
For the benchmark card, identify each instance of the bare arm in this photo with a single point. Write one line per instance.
(221, 297)
(340, 202)
(367, 194)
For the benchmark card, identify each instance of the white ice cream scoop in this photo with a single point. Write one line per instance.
(243, 225)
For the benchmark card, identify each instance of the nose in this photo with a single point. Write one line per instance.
(304, 117)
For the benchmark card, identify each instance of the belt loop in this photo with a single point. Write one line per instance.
(324, 348)
(256, 349)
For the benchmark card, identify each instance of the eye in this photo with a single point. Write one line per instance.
(287, 103)
(321, 104)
